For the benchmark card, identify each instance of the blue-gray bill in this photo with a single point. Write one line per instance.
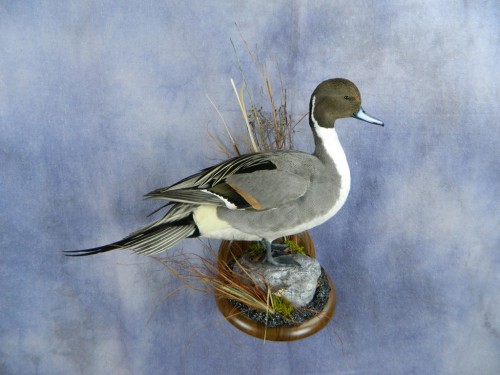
(362, 115)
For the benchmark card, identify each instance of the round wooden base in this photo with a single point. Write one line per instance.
(230, 249)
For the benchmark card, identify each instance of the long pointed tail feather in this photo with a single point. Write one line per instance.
(154, 238)
(150, 241)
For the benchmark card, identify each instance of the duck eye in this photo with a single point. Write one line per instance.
(348, 97)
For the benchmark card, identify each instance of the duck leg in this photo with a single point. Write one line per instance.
(276, 256)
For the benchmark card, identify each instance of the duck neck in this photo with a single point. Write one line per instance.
(332, 155)
(328, 148)
(326, 140)
(327, 145)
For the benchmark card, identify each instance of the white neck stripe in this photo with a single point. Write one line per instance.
(312, 112)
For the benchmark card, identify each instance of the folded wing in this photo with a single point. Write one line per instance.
(251, 182)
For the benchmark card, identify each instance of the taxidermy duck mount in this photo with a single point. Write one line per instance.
(261, 196)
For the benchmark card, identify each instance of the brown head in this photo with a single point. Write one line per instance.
(336, 98)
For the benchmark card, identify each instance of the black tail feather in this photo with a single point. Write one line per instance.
(94, 250)
(150, 240)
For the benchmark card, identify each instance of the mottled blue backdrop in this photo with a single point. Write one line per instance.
(101, 102)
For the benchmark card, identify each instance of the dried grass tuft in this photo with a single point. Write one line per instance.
(208, 275)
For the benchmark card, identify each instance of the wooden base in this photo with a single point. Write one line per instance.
(230, 249)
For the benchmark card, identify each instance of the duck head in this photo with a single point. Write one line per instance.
(337, 98)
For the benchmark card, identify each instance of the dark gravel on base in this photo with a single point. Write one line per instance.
(299, 316)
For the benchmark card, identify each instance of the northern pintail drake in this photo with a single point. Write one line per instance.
(260, 196)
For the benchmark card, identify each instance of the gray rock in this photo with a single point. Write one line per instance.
(297, 284)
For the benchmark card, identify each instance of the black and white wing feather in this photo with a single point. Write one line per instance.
(251, 182)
